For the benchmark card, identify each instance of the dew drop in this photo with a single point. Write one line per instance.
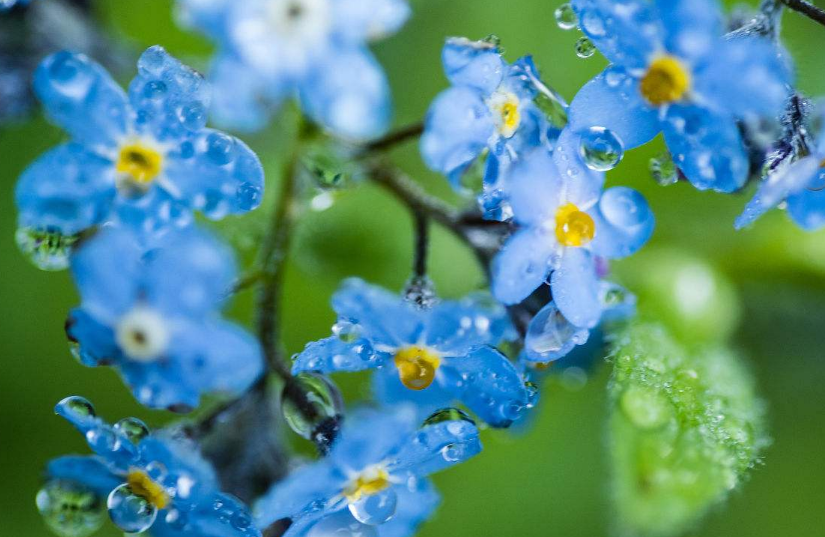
(550, 335)
(130, 512)
(47, 250)
(154, 90)
(446, 415)
(220, 148)
(565, 17)
(663, 169)
(77, 407)
(645, 407)
(192, 116)
(248, 196)
(584, 47)
(347, 330)
(375, 509)
(600, 149)
(321, 395)
(133, 429)
(70, 509)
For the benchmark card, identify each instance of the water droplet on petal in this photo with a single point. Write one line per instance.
(550, 335)
(133, 429)
(70, 509)
(77, 407)
(565, 17)
(600, 149)
(585, 47)
(341, 525)
(532, 394)
(130, 512)
(447, 414)
(248, 196)
(593, 24)
(47, 250)
(220, 148)
(321, 395)
(347, 330)
(374, 509)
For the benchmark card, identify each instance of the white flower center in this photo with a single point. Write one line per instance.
(142, 334)
(300, 20)
(506, 112)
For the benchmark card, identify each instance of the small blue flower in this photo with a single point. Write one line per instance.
(431, 356)
(8, 4)
(271, 49)
(154, 316)
(145, 160)
(565, 222)
(489, 108)
(150, 481)
(801, 184)
(673, 71)
(376, 471)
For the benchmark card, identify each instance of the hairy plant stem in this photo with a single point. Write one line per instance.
(814, 13)
(394, 139)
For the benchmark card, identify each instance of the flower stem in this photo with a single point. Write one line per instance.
(394, 138)
(808, 9)
(422, 243)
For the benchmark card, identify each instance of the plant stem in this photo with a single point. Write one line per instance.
(394, 138)
(808, 9)
(422, 242)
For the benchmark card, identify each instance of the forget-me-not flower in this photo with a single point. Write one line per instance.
(376, 470)
(317, 49)
(155, 316)
(489, 109)
(444, 352)
(150, 481)
(144, 159)
(674, 71)
(566, 221)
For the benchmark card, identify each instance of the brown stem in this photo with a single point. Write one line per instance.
(808, 9)
(394, 138)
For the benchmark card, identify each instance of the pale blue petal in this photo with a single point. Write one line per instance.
(243, 100)
(332, 354)
(388, 390)
(807, 208)
(790, 180)
(416, 503)
(232, 519)
(707, 147)
(477, 64)
(581, 185)
(575, 287)
(366, 20)
(692, 28)
(551, 336)
(96, 341)
(372, 436)
(624, 223)
(612, 100)
(453, 327)
(81, 97)
(90, 471)
(311, 483)
(424, 453)
(522, 265)
(535, 187)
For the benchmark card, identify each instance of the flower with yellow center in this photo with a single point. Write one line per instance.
(417, 366)
(667, 80)
(507, 115)
(138, 165)
(574, 227)
(371, 481)
(142, 485)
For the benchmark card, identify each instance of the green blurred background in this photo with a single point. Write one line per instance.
(545, 481)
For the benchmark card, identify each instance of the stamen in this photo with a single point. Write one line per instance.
(142, 485)
(416, 367)
(574, 227)
(369, 482)
(666, 81)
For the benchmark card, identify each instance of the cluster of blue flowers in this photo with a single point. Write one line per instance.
(123, 193)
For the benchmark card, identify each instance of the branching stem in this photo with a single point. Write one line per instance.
(808, 9)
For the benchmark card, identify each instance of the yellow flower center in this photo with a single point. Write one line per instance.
(506, 106)
(416, 366)
(666, 81)
(139, 163)
(369, 482)
(142, 485)
(574, 227)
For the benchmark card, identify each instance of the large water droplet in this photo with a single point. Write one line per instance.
(70, 509)
(130, 512)
(374, 509)
(347, 330)
(76, 407)
(220, 148)
(600, 149)
(663, 170)
(565, 17)
(341, 525)
(248, 196)
(447, 414)
(585, 47)
(550, 335)
(47, 250)
(133, 429)
(323, 401)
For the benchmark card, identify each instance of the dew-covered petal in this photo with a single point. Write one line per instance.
(314, 483)
(535, 187)
(691, 28)
(95, 340)
(488, 384)
(416, 502)
(90, 471)
(613, 100)
(581, 185)
(116, 449)
(367, 20)
(190, 272)
(179, 457)
(242, 99)
(551, 336)
(332, 355)
(371, 436)
(107, 270)
(383, 318)
(210, 16)
(789, 180)
(807, 208)
(707, 147)
(477, 64)
(455, 326)
(575, 287)
(67, 189)
(219, 515)
(81, 97)
(152, 214)
(744, 76)
(348, 93)
(388, 390)
(624, 223)
(522, 265)
(458, 128)
(436, 447)
(626, 32)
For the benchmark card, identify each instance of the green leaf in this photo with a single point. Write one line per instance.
(685, 428)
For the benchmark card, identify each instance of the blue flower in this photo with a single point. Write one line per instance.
(489, 109)
(151, 481)
(317, 49)
(432, 356)
(154, 316)
(376, 471)
(801, 184)
(8, 4)
(144, 160)
(566, 221)
(673, 71)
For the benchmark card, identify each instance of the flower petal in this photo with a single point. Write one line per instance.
(535, 189)
(90, 471)
(477, 64)
(388, 390)
(369, 19)
(243, 99)
(416, 503)
(231, 519)
(790, 180)
(372, 436)
(314, 482)
(437, 447)
(575, 287)
(522, 265)
(332, 354)
(96, 341)
(455, 326)
(692, 28)
(624, 223)
(580, 184)
(807, 208)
